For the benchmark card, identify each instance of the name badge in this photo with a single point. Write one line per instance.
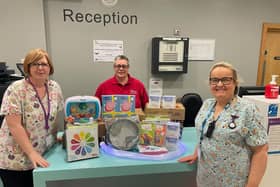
(198, 152)
(49, 140)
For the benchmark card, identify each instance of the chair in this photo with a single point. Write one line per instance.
(192, 103)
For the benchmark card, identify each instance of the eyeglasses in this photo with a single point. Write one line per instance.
(37, 64)
(210, 129)
(224, 80)
(119, 66)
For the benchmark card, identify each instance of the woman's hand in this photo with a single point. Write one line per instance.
(189, 159)
(37, 160)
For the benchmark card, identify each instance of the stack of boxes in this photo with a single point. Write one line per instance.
(165, 106)
(81, 128)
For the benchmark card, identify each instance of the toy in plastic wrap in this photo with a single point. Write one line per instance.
(118, 106)
(122, 140)
(151, 150)
(81, 129)
(172, 135)
(147, 134)
(82, 108)
(160, 134)
(122, 133)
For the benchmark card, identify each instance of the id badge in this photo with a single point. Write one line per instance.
(49, 140)
(198, 152)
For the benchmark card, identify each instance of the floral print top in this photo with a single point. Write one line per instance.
(224, 159)
(20, 99)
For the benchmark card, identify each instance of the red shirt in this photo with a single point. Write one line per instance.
(132, 87)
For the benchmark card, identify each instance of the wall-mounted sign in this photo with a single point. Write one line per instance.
(202, 49)
(109, 2)
(106, 50)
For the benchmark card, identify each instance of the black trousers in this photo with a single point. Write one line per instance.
(11, 178)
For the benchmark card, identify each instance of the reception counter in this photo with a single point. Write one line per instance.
(108, 170)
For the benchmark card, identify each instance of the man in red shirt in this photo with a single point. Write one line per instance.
(123, 83)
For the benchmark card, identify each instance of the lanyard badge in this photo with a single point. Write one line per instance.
(232, 124)
(46, 113)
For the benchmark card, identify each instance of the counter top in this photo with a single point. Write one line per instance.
(109, 166)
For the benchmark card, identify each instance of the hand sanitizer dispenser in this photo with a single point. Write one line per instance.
(272, 89)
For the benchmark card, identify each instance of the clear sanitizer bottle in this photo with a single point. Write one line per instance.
(272, 89)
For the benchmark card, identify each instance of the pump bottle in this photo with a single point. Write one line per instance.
(272, 89)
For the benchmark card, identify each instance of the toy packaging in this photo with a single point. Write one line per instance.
(81, 129)
(160, 134)
(172, 135)
(82, 108)
(118, 106)
(122, 133)
(82, 142)
(151, 150)
(147, 134)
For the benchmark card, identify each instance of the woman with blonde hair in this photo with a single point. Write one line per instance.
(232, 148)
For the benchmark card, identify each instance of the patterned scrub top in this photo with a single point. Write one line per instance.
(225, 158)
(20, 98)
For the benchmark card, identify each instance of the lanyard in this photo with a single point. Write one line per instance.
(210, 112)
(46, 114)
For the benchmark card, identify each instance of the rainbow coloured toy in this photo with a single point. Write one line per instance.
(81, 127)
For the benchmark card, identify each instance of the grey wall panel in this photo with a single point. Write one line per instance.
(21, 29)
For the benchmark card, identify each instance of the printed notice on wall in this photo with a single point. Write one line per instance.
(155, 87)
(202, 49)
(106, 50)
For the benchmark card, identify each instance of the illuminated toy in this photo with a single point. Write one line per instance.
(122, 133)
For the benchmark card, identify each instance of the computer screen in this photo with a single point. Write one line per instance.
(20, 68)
(251, 90)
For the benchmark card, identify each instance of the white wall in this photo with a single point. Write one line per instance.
(21, 29)
(235, 24)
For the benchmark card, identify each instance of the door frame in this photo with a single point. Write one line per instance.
(267, 27)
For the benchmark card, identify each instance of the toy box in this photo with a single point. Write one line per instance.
(81, 129)
(169, 101)
(82, 141)
(118, 106)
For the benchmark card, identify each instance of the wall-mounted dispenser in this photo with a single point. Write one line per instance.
(170, 54)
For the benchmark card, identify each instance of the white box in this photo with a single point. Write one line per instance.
(268, 107)
(154, 101)
(270, 110)
(82, 141)
(168, 101)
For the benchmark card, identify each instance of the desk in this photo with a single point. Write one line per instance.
(116, 171)
(271, 176)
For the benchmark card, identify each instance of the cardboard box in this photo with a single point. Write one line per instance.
(177, 113)
(101, 129)
(140, 113)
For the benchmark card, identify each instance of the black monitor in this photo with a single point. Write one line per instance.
(20, 68)
(251, 90)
